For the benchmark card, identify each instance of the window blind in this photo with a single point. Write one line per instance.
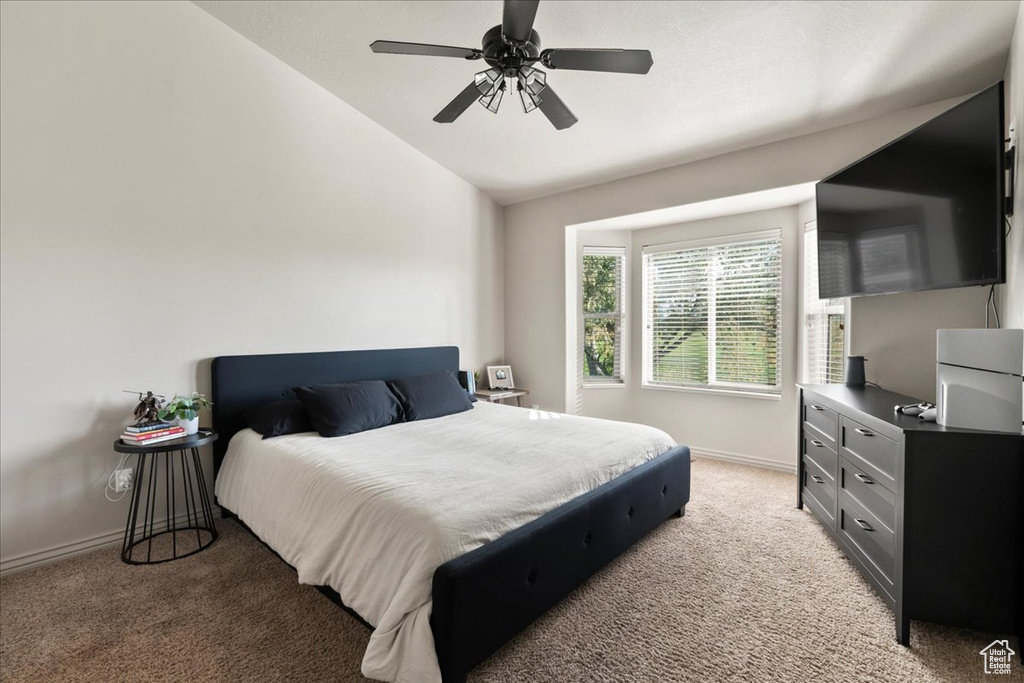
(601, 359)
(711, 313)
(824, 322)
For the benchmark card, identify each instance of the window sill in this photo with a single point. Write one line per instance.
(605, 385)
(762, 396)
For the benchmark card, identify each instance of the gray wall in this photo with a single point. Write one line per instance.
(896, 332)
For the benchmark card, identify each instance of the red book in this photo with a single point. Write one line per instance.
(152, 442)
(154, 434)
(149, 436)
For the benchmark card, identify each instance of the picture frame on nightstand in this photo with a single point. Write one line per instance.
(500, 377)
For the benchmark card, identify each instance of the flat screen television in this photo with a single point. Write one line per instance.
(923, 212)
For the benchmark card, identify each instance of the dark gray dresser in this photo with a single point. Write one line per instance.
(931, 516)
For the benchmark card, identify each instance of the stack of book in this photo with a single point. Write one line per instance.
(151, 433)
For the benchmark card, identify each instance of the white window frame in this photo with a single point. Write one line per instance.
(712, 387)
(619, 379)
(812, 307)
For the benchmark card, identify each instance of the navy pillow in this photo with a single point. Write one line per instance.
(427, 396)
(340, 409)
(278, 418)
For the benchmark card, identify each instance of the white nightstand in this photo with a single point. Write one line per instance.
(498, 395)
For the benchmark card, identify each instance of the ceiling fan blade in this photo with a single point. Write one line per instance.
(616, 61)
(398, 48)
(460, 104)
(517, 19)
(556, 111)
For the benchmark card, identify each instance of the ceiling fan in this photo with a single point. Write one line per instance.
(512, 50)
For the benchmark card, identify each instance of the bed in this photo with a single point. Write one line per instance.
(445, 536)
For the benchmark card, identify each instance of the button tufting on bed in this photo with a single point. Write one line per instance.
(480, 599)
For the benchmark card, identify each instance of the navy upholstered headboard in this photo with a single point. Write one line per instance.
(241, 382)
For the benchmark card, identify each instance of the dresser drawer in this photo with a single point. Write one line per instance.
(873, 453)
(879, 500)
(822, 488)
(820, 421)
(868, 540)
(824, 457)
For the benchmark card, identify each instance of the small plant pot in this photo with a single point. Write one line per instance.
(191, 426)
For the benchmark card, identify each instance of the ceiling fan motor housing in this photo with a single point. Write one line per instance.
(509, 55)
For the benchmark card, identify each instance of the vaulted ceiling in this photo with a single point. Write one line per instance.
(726, 75)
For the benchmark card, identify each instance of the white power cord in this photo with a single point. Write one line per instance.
(112, 481)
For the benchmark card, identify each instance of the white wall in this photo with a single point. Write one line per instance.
(1011, 295)
(170, 192)
(535, 235)
(903, 359)
(696, 418)
(736, 427)
(897, 332)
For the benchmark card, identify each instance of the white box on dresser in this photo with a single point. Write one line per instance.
(978, 379)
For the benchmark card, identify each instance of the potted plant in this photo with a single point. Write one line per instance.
(186, 410)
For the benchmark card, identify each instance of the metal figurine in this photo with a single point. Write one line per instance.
(146, 413)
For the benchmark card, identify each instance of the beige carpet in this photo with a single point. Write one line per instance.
(744, 588)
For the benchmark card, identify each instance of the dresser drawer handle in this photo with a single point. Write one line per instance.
(865, 432)
(818, 479)
(863, 525)
(864, 478)
(817, 443)
(817, 407)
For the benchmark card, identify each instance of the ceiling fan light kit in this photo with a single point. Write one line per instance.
(492, 100)
(488, 81)
(531, 83)
(511, 49)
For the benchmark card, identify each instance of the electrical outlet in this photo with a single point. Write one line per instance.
(122, 479)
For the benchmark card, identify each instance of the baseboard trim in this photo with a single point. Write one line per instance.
(59, 552)
(754, 460)
(39, 558)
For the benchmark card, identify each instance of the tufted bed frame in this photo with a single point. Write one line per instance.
(483, 598)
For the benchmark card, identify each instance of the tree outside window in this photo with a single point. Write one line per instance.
(602, 314)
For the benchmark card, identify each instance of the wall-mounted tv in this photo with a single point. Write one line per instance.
(923, 212)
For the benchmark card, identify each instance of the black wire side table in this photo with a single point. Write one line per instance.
(180, 462)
